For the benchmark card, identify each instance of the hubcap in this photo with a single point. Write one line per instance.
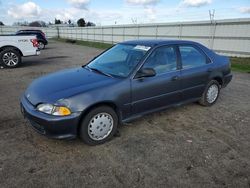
(100, 126)
(212, 93)
(10, 59)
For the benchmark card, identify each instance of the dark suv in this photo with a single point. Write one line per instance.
(31, 30)
(42, 41)
(127, 81)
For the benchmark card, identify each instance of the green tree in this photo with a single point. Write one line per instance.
(81, 22)
(58, 21)
(1, 23)
(90, 24)
(37, 24)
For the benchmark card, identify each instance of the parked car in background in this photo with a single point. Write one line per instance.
(42, 41)
(13, 47)
(31, 30)
(125, 82)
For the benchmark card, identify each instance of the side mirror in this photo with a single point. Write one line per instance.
(145, 72)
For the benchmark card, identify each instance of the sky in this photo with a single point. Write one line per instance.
(111, 12)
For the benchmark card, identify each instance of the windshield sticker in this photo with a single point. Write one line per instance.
(140, 47)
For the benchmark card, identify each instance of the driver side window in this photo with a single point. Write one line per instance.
(162, 60)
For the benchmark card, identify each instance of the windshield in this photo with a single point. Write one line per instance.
(120, 60)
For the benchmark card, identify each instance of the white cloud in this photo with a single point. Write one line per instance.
(142, 2)
(245, 10)
(96, 16)
(149, 9)
(195, 3)
(62, 14)
(23, 11)
(81, 4)
(150, 13)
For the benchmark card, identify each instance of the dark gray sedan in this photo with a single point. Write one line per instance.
(125, 82)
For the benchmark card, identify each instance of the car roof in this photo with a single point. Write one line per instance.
(156, 42)
(30, 30)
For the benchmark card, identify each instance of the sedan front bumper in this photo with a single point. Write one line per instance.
(52, 126)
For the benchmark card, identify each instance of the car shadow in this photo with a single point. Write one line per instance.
(47, 48)
(40, 61)
(57, 57)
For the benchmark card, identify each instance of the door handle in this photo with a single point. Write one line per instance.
(174, 78)
(209, 70)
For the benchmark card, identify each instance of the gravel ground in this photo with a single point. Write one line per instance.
(188, 146)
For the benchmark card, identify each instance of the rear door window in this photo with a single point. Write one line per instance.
(191, 57)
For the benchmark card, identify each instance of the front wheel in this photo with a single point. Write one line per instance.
(211, 93)
(10, 58)
(99, 125)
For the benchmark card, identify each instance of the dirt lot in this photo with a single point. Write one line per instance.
(189, 146)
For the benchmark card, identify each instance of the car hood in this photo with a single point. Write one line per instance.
(63, 84)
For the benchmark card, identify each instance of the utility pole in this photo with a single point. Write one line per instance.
(212, 28)
(211, 15)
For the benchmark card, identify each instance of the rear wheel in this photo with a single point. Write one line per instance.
(10, 58)
(41, 45)
(211, 93)
(99, 125)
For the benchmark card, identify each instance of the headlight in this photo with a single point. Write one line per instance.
(54, 110)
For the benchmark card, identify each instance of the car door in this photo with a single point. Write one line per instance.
(161, 90)
(196, 67)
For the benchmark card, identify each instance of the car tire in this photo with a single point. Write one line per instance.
(10, 58)
(41, 45)
(210, 94)
(99, 125)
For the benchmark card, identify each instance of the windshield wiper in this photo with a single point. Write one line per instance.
(99, 71)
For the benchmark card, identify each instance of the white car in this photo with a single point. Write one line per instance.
(12, 48)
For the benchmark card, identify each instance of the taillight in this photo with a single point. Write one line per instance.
(34, 42)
